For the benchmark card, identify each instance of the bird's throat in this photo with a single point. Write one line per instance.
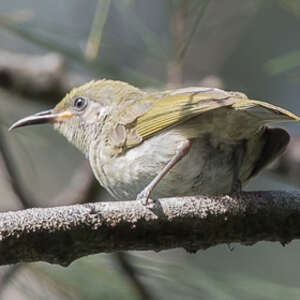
(80, 135)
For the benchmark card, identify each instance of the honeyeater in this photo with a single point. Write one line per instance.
(178, 142)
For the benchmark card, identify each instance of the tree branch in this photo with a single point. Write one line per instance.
(62, 234)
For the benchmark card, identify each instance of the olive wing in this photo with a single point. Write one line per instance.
(177, 107)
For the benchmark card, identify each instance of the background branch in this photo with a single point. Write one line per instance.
(9, 168)
(132, 273)
(34, 75)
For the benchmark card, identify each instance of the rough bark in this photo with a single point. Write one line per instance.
(62, 234)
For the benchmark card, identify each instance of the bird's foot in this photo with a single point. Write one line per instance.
(144, 198)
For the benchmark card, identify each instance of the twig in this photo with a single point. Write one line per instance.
(136, 25)
(182, 51)
(7, 277)
(124, 262)
(194, 223)
(94, 40)
(107, 68)
(177, 26)
(10, 169)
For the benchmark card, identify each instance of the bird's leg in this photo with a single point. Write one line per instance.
(180, 153)
(238, 156)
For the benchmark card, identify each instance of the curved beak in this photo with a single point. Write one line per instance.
(47, 116)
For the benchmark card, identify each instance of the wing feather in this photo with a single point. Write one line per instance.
(173, 109)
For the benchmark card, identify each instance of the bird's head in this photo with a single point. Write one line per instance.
(80, 115)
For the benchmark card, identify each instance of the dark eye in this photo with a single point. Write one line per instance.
(80, 103)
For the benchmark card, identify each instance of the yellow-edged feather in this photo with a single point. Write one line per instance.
(173, 109)
(247, 103)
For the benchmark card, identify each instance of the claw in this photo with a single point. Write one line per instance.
(144, 197)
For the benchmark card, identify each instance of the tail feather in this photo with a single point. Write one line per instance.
(265, 111)
(276, 141)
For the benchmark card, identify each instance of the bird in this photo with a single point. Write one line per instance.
(180, 142)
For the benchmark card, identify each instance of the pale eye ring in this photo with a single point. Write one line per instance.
(80, 103)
